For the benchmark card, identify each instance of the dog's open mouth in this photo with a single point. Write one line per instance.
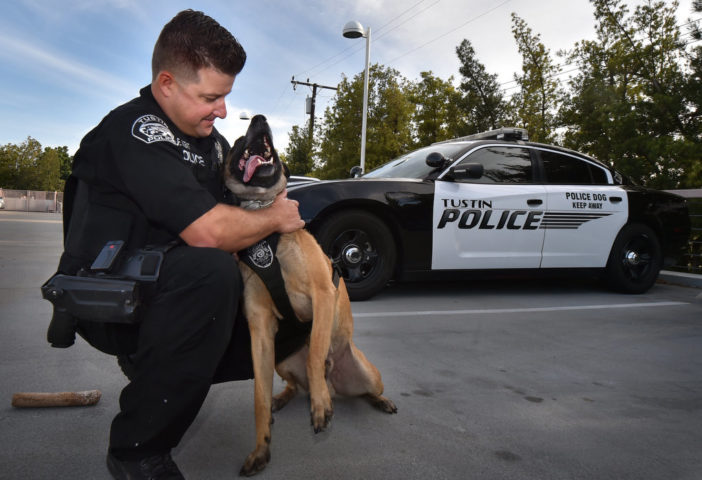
(250, 162)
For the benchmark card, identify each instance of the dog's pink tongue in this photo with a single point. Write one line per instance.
(251, 166)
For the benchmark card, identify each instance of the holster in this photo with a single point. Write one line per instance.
(111, 290)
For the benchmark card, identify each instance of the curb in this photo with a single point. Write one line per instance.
(679, 278)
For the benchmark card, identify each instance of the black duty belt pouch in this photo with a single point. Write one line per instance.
(110, 291)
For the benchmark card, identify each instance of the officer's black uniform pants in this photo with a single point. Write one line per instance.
(187, 339)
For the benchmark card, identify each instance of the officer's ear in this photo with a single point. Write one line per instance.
(164, 84)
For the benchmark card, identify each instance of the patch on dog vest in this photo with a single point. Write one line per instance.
(260, 254)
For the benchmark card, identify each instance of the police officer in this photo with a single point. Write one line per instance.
(149, 174)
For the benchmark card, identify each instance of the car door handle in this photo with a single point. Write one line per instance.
(534, 201)
(615, 199)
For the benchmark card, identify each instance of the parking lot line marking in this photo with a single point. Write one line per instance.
(25, 220)
(517, 310)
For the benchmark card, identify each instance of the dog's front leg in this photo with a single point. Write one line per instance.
(262, 331)
(321, 408)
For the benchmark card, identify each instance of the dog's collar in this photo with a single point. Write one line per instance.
(256, 204)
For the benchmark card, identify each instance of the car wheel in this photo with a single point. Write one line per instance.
(635, 260)
(361, 246)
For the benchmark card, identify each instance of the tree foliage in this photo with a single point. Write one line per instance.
(29, 167)
(535, 103)
(437, 110)
(298, 154)
(388, 129)
(635, 102)
(483, 104)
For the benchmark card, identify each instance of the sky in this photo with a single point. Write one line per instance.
(65, 64)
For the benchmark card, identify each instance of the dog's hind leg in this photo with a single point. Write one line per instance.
(354, 375)
(282, 399)
(294, 371)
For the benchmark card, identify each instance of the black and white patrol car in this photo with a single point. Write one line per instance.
(493, 201)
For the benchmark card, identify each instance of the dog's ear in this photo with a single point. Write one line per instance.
(286, 170)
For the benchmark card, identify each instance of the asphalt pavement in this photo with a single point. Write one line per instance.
(499, 379)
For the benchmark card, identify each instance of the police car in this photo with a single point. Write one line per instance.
(493, 201)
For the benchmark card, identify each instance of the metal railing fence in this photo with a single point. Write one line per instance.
(691, 259)
(32, 200)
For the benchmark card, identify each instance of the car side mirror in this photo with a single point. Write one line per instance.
(466, 171)
(436, 160)
(356, 171)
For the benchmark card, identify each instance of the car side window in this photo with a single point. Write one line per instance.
(502, 165)
(564, 169)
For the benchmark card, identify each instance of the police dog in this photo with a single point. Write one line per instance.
(328, 362)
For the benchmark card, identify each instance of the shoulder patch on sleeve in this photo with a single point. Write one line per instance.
(150, 129)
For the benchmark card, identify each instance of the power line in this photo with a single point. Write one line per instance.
(355, 47)
(385, 33)
(450, 31)
(566, 64)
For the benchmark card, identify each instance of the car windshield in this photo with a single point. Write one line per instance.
(413, 164)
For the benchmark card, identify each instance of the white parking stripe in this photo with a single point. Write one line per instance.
(517, 310)
(25, 220)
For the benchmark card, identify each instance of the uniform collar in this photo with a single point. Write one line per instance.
(204, 143)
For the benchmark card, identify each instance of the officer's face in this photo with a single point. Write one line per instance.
(196, 104)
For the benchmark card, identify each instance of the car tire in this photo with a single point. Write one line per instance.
(362, 247)
(635, 260)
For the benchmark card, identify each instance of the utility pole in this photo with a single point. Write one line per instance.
(314, 99)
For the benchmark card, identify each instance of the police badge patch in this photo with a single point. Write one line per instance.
(150, 129)
(260, 254)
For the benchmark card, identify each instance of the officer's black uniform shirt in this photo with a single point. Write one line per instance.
(140, 179)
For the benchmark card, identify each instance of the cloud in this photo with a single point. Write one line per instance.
(71, 74)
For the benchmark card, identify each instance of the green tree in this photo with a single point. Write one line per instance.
(66, 162)
(298, 154)
(18, 164)
(388, 131)
(633, 104)
(27, 167)
(47, 171)
(483, 103)
(437, 115)
(536, 102)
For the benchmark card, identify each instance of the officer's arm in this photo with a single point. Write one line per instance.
(232, 228)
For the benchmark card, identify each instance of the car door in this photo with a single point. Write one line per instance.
(492, 221)
(585, 211)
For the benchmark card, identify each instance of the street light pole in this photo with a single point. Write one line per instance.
(354, 29)
(365, 103)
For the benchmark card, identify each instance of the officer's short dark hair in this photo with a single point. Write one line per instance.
(191, 41)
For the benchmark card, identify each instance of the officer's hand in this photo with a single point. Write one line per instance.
(286, 213)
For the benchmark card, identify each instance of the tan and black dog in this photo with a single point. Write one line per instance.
(327, 362)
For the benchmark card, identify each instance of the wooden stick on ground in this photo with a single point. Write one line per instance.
(55, 399)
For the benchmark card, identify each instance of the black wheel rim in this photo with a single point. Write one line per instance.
(637, 258)
(354, 253)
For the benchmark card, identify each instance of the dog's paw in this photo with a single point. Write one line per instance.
(382, 403)
(256, 461)
(321, 418)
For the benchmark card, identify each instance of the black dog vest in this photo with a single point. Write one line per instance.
(292, 333)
